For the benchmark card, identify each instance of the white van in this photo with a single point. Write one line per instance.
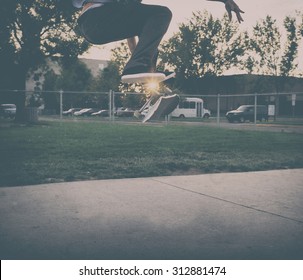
(191, 108)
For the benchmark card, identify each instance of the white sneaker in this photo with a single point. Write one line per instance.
(143, 78)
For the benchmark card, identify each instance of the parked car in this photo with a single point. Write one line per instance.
(125, 112)
(70, 111)
(101, 113)
(8, 110)
(247, 113)
(85, 112)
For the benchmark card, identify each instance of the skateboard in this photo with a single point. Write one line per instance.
(157, 105)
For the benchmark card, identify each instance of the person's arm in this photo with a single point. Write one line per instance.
(132, 43)
(231, 6)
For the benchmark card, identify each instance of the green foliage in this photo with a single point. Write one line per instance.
(51, 101)
(264, 48)
(36, 29)
(204, 46)
(265, 51)
(121, 55)
(74, 78)
(291, 49)
(108, 78)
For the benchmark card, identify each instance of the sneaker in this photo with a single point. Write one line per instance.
(141, 74)
(163, 107)
(143, 78)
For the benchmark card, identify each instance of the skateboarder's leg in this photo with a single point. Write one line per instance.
(113, 22)
(155, 21)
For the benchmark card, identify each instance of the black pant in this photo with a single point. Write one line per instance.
(112, 22)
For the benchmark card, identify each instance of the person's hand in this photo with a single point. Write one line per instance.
(230, 7)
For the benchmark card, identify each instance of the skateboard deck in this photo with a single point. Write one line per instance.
(163, 107)
(144, 78)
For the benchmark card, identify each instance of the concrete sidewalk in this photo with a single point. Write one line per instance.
(256, 215)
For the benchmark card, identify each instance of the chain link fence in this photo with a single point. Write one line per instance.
(115, 106)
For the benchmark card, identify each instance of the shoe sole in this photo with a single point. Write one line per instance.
(143, 78)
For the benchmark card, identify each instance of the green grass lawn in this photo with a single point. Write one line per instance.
(70, 151)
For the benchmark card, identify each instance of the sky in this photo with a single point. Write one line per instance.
(255, 10)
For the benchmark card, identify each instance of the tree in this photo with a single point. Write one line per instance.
(264, 48)
(36, 29)
(51, 100)
(74, 77)
(266, 54)
(204, 46)
(291, 48)
(7, 65)
(108, 78)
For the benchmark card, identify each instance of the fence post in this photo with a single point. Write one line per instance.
(255, 112)
(293, 103)
(113, 106)
(110, 105)
(218, 109)
(61, 103)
